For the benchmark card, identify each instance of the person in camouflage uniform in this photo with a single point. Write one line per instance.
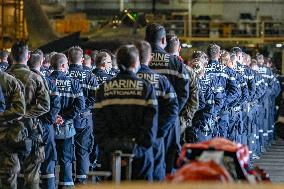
(12, 108)
(37, 103)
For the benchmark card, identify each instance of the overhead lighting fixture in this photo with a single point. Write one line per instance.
(279, 45)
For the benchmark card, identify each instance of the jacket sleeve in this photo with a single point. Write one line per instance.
(42, 104)
(277, 87)
(250, 77)
(232, 90)
(148, 130)
(92, 87)
(182, 85)
(78, 103)
(209, 98)
(218, 103)
(263, 89)
(101, 131)
(17, 102)
(55, 104)
(202, 101)
(170, 110)
(244, 89)
(192, 103)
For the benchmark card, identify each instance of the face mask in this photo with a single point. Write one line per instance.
(137, 68)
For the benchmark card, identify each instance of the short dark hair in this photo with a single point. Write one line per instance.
(236, 50)
(144, 49)
(154, 33)
(75, 54)
(100, 58)
(172, 43)
(35, 60)
(213, 50)
(57, 60)
(4, 54)
(19, 51)
(197, 55)
(259, 57)
(127, 55)
(38, 51)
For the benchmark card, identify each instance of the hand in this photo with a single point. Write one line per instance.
(20, 118)
(59, 120)
(217, 118)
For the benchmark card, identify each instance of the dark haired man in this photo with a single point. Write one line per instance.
(83, 122)
(170, 66)
(12, 107)
(48, 119)
(72, 104)
(248, 78)
(103, 63)
(4, 60)
(192, 104)
(87, 63)
(168, 107)
(225, 84)
(37, 103)
(129, 104)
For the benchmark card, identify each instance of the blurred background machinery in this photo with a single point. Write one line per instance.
(12, 22)
(255, 25)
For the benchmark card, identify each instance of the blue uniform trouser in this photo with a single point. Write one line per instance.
(94, 154)
(83, 146)
(223, 124)
(266, 121)
(251, 141)
(235, 129)
(263, 124)
(159, 159)
(244, 119)
(142, 164)
(48, 166)
(257, 121)
(271, 118)
(172, 147)
(66, 156)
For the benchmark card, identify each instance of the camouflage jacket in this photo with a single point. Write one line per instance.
(36, 95)
(13, 100)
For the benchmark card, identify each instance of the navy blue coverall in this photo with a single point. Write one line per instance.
(171, 67)
(84, 122)
(168, 113)
(210, 104)
(72, 104)
(227, 85)
(128, 104)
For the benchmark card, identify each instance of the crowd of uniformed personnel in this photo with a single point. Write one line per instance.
(145, 100)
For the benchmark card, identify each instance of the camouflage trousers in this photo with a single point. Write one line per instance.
(9, 169)
(29, 176)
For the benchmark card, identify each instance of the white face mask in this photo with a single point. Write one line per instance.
(137, 68)
(240, 60)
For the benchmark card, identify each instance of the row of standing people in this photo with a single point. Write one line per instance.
(68, 95)
(153, 115)
(237, 97)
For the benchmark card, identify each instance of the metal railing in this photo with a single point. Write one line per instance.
(221, 30)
